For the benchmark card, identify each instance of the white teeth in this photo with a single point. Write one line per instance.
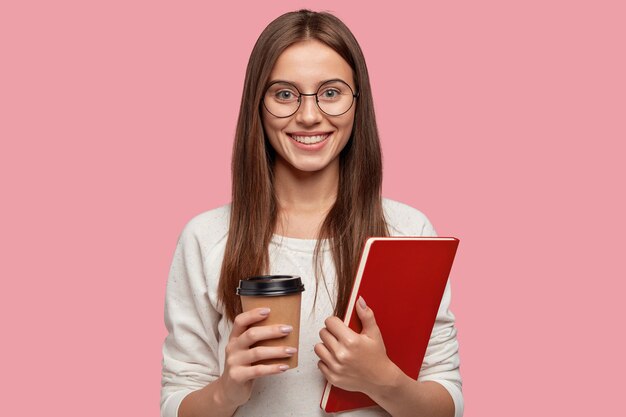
(309, 140)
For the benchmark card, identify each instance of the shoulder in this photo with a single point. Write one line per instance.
(208, 227)
(404, 220)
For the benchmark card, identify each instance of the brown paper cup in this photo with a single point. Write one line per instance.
(285, 309)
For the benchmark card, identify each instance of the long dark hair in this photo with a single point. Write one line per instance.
(357, 212)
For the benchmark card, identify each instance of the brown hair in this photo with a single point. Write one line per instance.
(357, 212)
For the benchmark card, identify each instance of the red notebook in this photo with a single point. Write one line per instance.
(399, 277)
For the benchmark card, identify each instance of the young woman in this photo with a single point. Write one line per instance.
(307, 181)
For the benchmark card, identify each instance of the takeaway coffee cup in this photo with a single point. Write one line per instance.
(283, 295)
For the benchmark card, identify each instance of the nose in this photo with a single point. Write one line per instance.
(308, 113)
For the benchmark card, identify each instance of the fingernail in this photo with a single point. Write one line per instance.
(362, 303)
(286, 329)
(291, 350)
(283, 367)
(264, 311)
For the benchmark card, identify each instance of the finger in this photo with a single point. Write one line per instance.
(366, 315)
(340, 331)
(245, 319)
(260, 353)
(328, 374)
(258, 333)
(330, 341)
(246, 373)
(325, 356)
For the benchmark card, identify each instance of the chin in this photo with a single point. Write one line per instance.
(309, 166)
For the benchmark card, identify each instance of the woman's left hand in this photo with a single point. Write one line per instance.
(353, 361)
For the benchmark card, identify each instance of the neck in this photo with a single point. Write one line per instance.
(305, 191)
(303, 198)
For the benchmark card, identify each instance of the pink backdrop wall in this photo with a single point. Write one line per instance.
(503, 121)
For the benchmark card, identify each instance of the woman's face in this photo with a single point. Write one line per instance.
(309, 140)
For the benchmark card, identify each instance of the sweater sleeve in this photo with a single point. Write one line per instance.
(190, 359)
(441, 361)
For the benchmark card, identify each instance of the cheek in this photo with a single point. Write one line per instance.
(270, 129)
(347, 127)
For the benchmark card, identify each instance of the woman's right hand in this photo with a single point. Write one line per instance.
(239, 373)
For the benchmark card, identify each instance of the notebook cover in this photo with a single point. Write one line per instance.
(402, 279)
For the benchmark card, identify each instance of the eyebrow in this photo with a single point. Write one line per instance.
(298, 84)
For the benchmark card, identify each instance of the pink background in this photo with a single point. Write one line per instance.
(503, 122)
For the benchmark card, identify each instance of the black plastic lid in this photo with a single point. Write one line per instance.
(270, 285)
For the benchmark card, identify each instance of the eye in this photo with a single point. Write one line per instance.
(330, 93)
(285, 95)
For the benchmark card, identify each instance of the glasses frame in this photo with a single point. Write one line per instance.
(317, 102)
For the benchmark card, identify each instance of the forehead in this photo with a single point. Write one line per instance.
(310, 62)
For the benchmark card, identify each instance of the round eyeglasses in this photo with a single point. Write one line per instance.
(333, 97)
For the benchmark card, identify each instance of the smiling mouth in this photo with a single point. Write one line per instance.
(310, 140)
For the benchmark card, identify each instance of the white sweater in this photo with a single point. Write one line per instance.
(193, 351)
